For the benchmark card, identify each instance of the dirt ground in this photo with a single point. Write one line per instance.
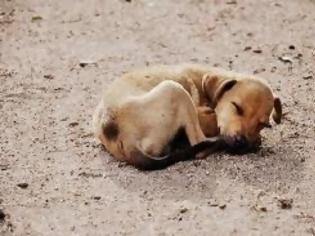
(56, 180)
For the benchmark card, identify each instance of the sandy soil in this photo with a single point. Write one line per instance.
(56, 180)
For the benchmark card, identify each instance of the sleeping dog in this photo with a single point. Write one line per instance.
(141, 113)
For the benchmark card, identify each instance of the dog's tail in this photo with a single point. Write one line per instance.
(143, 161)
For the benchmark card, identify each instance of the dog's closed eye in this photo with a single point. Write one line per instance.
(239, 109)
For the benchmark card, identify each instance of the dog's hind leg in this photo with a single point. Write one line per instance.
(149, 122)
(169, 107)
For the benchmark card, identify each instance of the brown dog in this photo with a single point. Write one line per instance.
(142, 112)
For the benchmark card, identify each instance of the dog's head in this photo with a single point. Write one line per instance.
(243, 108)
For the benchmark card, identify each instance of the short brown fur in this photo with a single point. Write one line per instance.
(151, 105)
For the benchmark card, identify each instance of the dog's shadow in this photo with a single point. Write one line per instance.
(273, 169)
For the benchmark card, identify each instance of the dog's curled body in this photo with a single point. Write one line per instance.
(141, 112)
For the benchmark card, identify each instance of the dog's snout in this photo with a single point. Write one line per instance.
(240, 142)
(237, 142)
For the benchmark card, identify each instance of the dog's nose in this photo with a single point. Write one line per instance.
(240, 142)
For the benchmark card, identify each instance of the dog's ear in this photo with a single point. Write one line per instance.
(214, 87)
(277, 110)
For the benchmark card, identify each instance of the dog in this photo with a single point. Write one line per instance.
(141, 113)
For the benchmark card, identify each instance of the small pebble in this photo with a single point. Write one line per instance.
(23, 185)
(73, 124)
(36, 18)
(307, 77)
(247, 48)
(86, 63)
(292, 47)
(232, 2)
(50, 77)
(257, 51)
(2, 216)
(286, 59)
(183, 210)
(260, 208)
(284, 203)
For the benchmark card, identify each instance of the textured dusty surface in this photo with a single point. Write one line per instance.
(75, 188)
